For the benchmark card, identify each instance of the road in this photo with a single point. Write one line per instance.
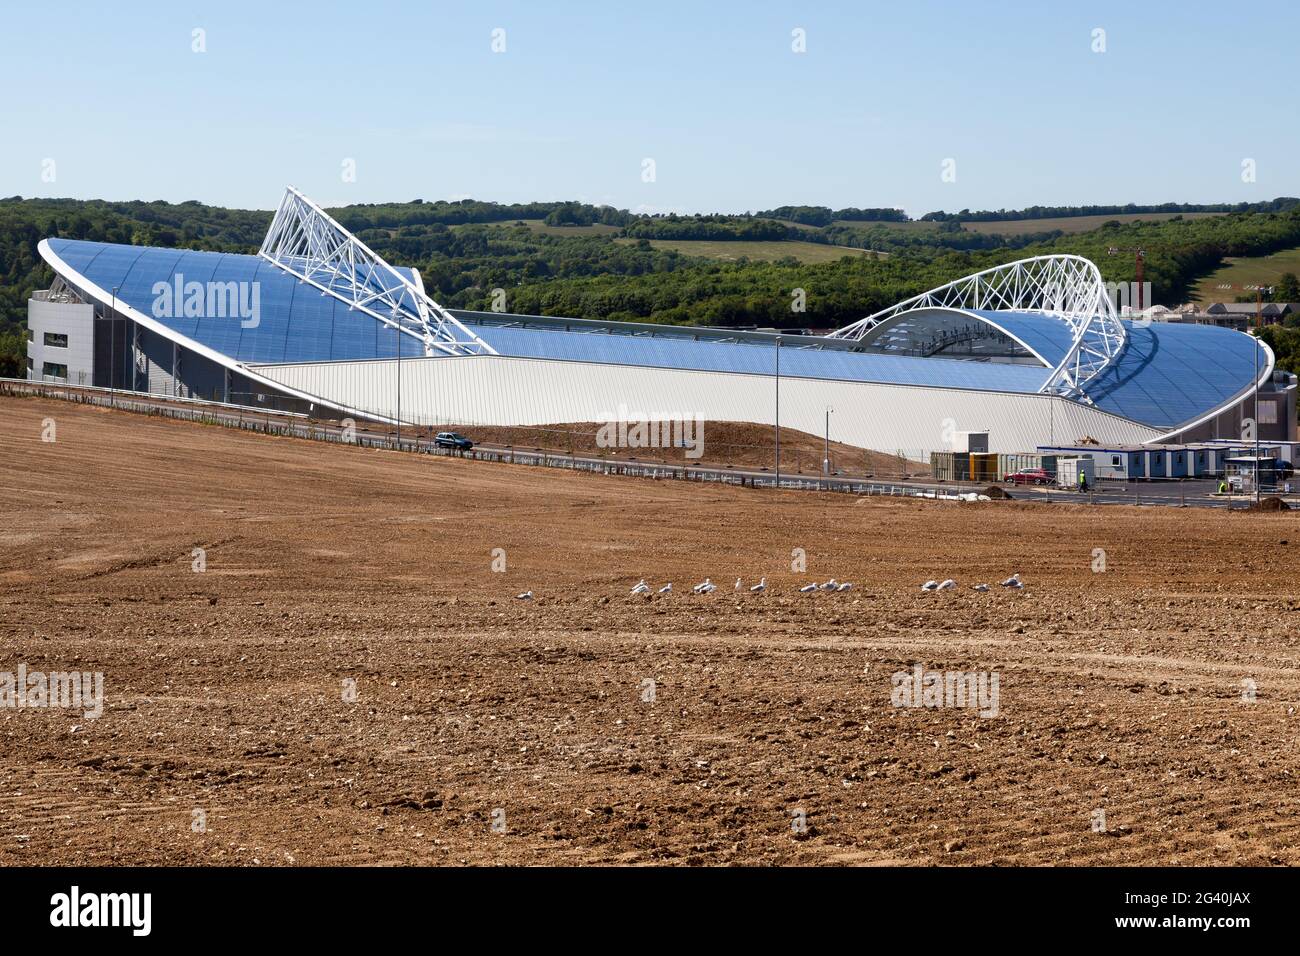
(1191, 493)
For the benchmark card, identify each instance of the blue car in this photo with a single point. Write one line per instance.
(452, 440)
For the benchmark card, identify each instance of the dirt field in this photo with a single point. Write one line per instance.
(738, 444)
(226, 736)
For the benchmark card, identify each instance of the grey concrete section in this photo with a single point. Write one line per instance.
(61, 341)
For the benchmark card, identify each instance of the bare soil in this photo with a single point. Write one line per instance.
(738, 444)
(1149, 670)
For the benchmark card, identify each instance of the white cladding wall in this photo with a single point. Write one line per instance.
(497, 390)
(75, 320)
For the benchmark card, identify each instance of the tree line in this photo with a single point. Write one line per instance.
(622, 275)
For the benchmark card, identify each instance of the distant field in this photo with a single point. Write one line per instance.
(910, 226)
(1072, 224)
(1240, 275)
(732, 250)
(536, 225)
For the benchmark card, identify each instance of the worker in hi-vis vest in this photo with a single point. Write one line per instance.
(1083, 481)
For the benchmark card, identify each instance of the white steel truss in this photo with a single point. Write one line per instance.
(1068, 288)
(308, 243)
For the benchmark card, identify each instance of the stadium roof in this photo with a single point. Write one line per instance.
(1163, 375)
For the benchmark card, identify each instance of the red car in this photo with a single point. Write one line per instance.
(1030, 476)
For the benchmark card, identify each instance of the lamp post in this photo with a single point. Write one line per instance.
(112, 346)
(1259, 305)
(778, 413)
(826, 462)
(399, 379)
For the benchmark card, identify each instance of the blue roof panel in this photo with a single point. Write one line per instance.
(1049, 337)
(759, 359)
(1168, 374)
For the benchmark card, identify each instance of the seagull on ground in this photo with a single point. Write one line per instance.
(760, 586)
(930, 585)
(737, 584)
(705, 586)
(830, 585)
(980, 587)
(526, 596)
(667, 588)
(1013, 581)
(807, 587)
(846, 586)
(947, 584)
(641, 588)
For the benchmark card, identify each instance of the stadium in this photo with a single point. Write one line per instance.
(1033, 352)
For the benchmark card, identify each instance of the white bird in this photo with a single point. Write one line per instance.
(641, 588)
(846, 586)
(929, 585)
(947, 584)
(667, 588)
(807, 587)
(830, 585)
(1013, 581)
(704, 587)
(526, 596)
(760, 586)
(980, 587)
(737, 584)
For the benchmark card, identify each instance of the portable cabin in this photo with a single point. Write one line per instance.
(1010, 463)
(1244, 470)
(1069, 467)
(1177, 464)
(1122, 462)
(984, 467)
(1154, 463)
(950, 466)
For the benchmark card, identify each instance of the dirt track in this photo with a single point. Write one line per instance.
(1120, 691)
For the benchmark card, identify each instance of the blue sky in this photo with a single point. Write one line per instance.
(712, 92)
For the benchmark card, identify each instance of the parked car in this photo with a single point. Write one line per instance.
(452, 440)
(1030, 476)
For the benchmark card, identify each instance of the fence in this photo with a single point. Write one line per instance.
(294, 424)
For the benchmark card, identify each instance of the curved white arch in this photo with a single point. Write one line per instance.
(1065, 287)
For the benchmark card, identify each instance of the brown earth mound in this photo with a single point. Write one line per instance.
(1269, 504)
(739, 444)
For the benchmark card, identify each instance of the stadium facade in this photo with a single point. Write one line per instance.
(1032, 352)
